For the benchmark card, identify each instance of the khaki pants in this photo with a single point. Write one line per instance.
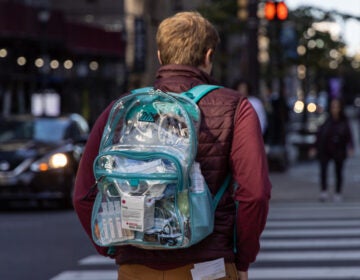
(141, 272)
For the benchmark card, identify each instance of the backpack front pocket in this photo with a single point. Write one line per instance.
(139, 211)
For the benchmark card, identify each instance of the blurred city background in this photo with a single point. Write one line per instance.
(76, 56)
(64, 61)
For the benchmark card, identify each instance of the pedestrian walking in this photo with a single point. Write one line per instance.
(245, 88)
(230, 141)
(334, 144)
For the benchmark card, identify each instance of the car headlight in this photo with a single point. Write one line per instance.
(311, 107)
(299, 107)
(54, 161)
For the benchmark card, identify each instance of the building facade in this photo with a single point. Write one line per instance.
(73, 48)
(87, 51)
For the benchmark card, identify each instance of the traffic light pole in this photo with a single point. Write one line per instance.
(252, 34)
(276, 13)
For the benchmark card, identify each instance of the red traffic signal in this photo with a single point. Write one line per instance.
(275, 10)
(270, 10)
(281, 11)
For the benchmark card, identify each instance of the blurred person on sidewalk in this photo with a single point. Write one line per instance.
(334, 143)
(245, 88)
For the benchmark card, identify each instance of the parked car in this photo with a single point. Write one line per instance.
(39, 156)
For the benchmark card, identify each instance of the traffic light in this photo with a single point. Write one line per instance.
(275, 10)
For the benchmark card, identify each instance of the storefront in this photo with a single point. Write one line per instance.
(40, 51)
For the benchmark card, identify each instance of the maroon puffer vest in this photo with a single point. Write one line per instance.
(217, 112)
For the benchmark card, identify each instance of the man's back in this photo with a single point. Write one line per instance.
(230, 142)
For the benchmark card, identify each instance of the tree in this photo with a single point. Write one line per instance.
(223, 14)
(321, 52)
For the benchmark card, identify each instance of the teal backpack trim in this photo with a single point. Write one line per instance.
(221, 191)
(141, 90)
(195, 94)
(198, 92)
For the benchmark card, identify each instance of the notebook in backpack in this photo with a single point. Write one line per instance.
(151, 192)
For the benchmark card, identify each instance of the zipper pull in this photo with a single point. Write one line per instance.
(91, 194)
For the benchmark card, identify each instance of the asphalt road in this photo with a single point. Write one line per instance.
(38, 244)
(41, 244)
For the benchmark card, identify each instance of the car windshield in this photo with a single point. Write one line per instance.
(45, 130)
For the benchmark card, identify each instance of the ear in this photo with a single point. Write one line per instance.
(209, 56)
(207, 65)
(159, 57)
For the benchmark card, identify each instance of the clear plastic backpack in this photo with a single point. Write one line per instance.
(151, 192)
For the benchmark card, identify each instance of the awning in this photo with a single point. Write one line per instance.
(25, 22)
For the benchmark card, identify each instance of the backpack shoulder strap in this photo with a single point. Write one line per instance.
(199, 91)
(221, 191)
(195, 93)
(143, 89)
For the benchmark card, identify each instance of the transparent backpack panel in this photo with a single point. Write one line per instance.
(146, 153)
(112, 162)
(154, 121)
(106, 223)
(149, 214)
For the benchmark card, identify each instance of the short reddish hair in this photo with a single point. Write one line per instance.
(185, 38)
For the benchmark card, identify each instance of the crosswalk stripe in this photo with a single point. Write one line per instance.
(314, 205)
(296, 238)
(334, 255)
(323, 223)
(310, 243)
(314, 208)
(311, 233)
(315, 215)
(87, 275)
(299, 236)
(305, 273)
(96, 260)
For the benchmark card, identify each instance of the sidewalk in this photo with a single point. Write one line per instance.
(300, 183)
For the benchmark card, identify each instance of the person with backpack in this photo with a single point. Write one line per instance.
(229, 143)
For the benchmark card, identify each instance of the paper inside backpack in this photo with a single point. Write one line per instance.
(129, 165)
(137, 212)
(112, 230)
(210, 270)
